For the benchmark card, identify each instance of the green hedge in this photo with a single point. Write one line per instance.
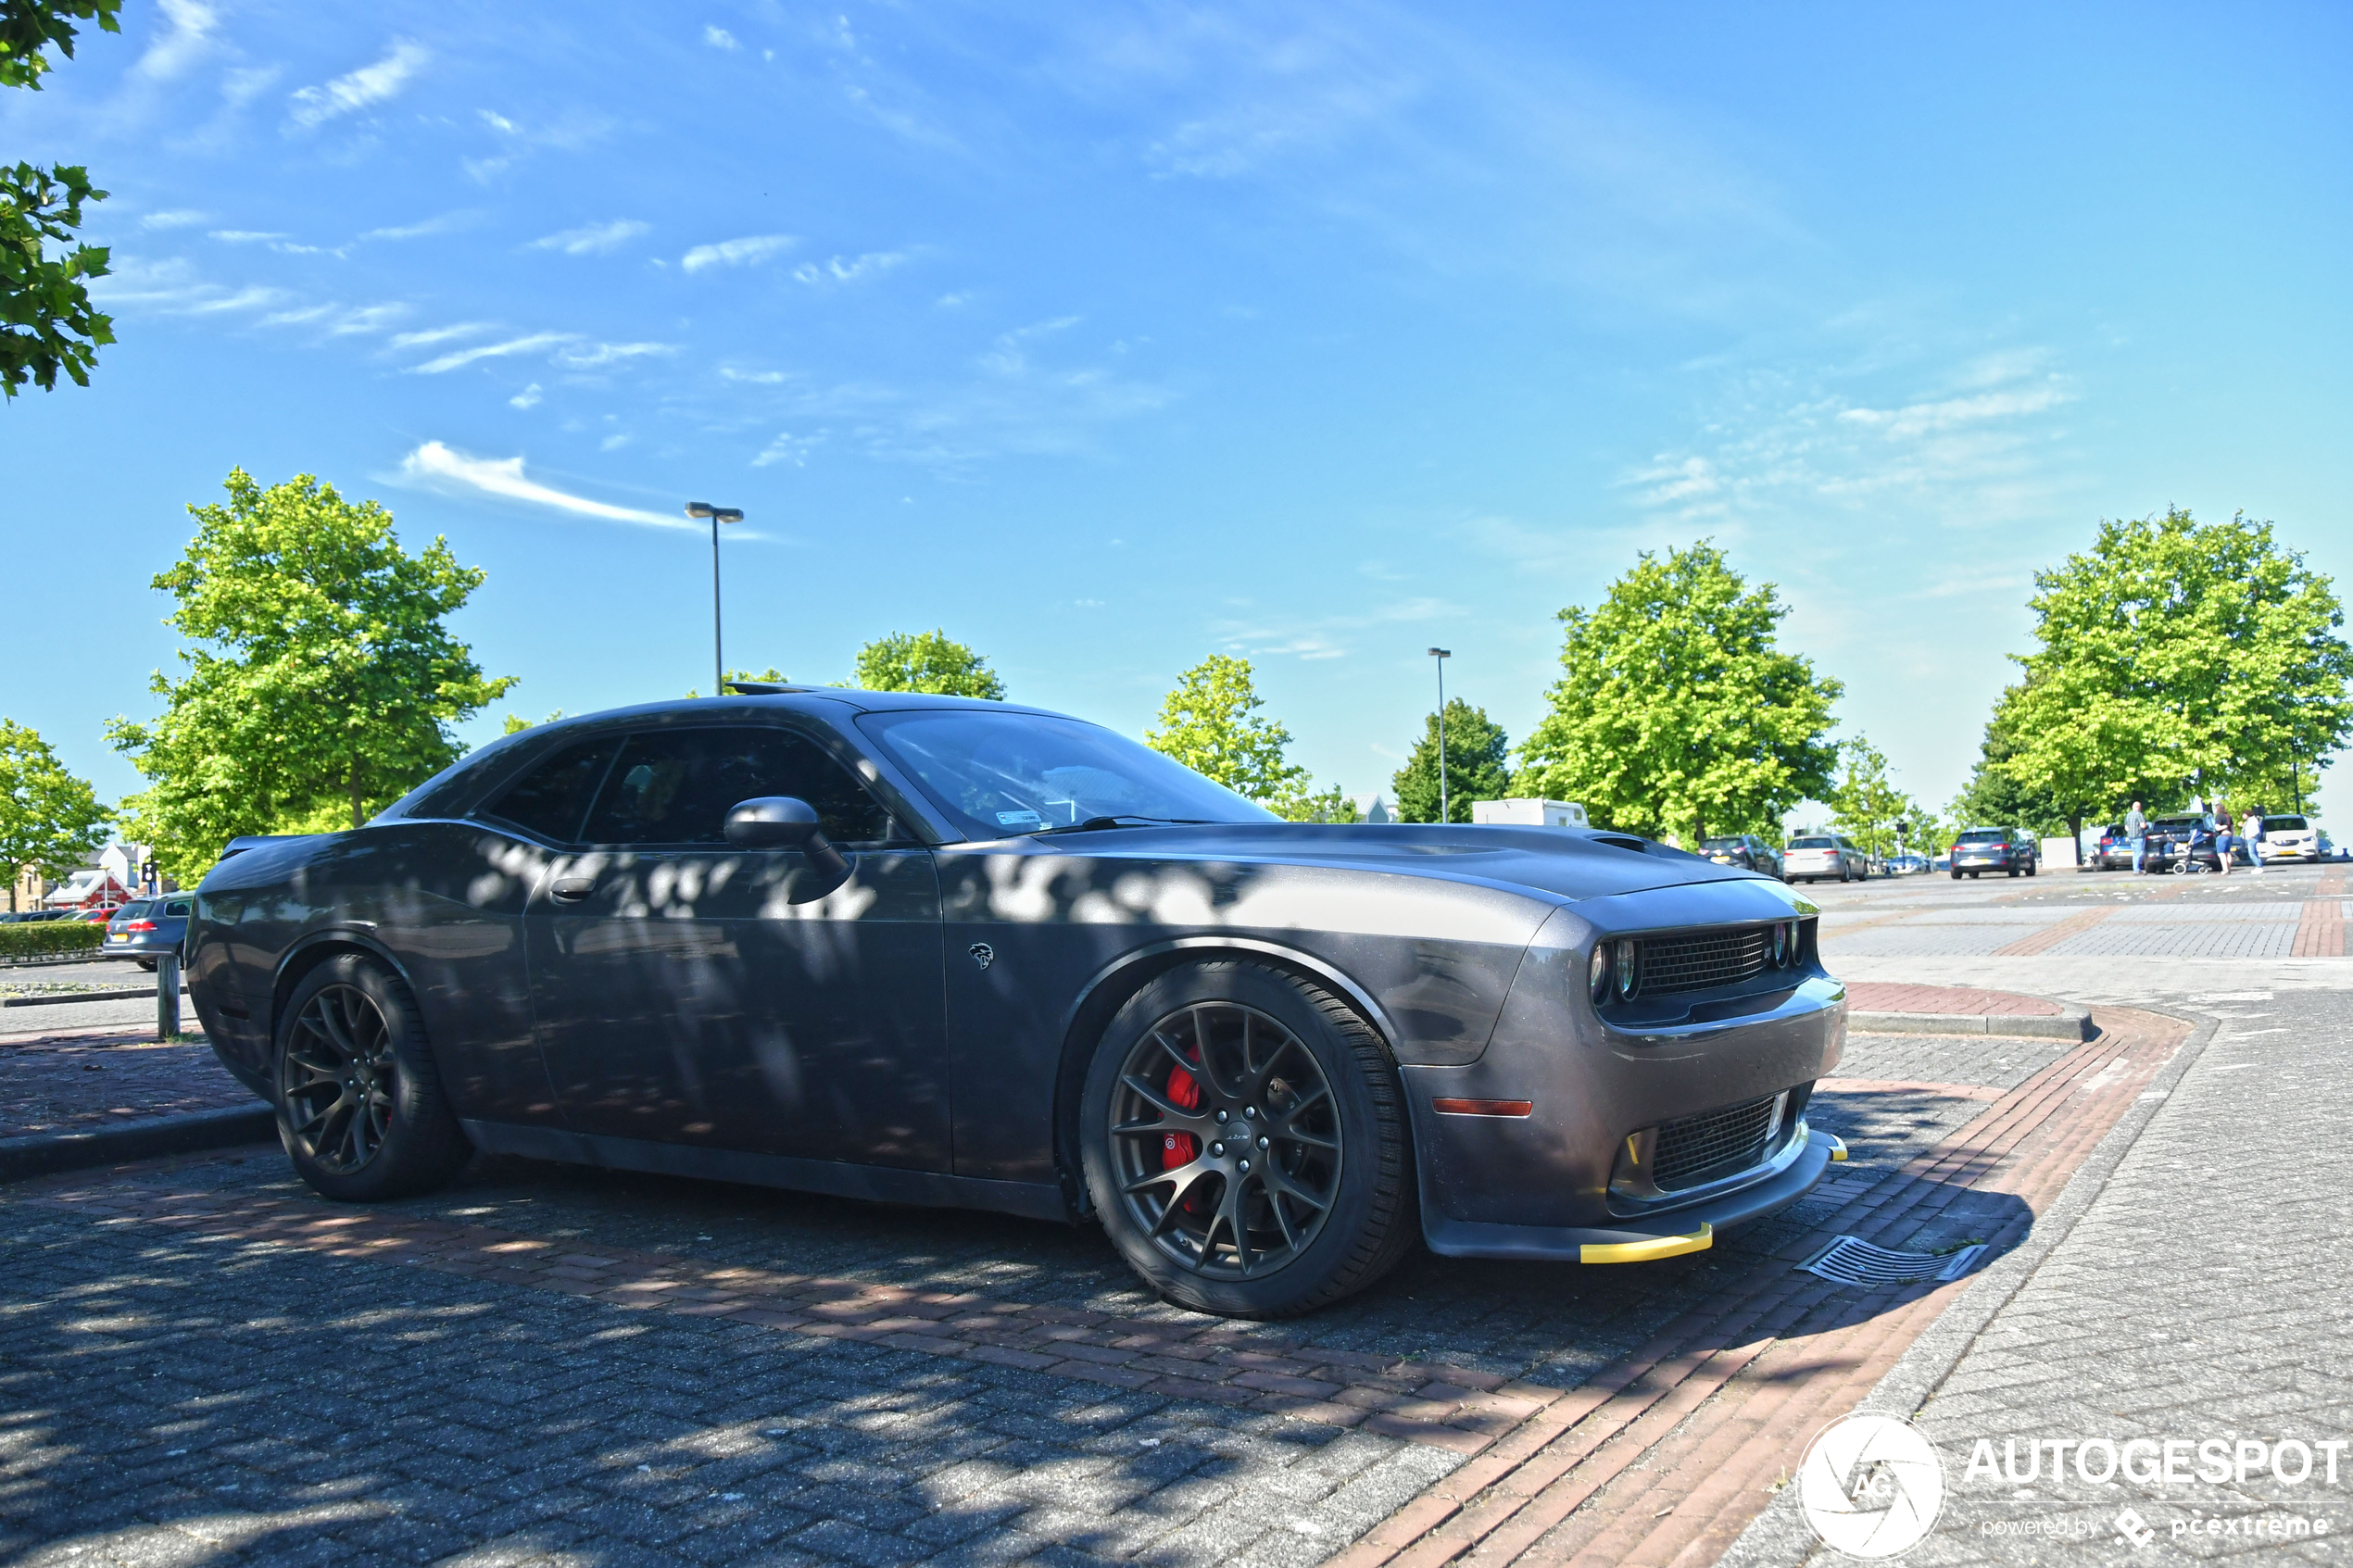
(48, 938)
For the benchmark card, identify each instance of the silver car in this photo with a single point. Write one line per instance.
(1823, 854)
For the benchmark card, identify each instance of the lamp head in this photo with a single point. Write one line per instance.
(1442, 653)
(729, 514)
(698, 508)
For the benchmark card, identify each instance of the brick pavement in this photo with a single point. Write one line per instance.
(2202, 1294)
(1888, 997)
(1711, 1344)
(93, 1078)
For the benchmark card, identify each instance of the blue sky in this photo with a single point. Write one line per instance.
(1111, 336)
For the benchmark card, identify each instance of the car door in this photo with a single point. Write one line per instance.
(688, 991)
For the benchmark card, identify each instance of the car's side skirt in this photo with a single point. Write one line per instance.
(881, 1183)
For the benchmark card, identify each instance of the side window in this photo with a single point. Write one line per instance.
(674, 786)
(178, 908)
(551, 798)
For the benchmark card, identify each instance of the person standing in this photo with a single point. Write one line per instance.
(2136, 834)
(2251, 831)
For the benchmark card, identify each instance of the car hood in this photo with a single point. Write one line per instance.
(1567, 863)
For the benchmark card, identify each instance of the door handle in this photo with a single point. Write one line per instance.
(571, 889)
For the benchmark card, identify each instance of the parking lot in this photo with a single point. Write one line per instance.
(203, 1363)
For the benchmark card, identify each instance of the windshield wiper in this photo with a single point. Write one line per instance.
(1127, 819)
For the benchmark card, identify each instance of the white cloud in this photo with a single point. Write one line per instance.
(593, 237)
(1925, 418)
(528, 344)
(787, 448)
(339, 319)
(189, 30)
(369, 84)
(527, 398)
(179, 217)
(436, 467)
(440, 225)
(439, 334)
(598, 354)
(839, 272)
(720, 37)
(172, 287)
(749, 251)
(762, 378)
(244, 236)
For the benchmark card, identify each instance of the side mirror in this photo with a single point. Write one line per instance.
(784, 822)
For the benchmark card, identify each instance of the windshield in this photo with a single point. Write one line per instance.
(1812, 844)
(1726, 844)
(1981, 835)
(2284, 824)
(1000, 773)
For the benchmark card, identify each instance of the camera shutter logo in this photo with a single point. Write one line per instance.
(1871, 1485)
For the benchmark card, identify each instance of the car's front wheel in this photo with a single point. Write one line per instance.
(1245, 1141)
(361, 1107)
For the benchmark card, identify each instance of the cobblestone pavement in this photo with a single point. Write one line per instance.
(2202, 1295)
(2094, 936)
(72, 1082)
(202, 1363)
(80, 1017)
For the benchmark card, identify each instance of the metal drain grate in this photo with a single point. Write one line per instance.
(1852, 1261)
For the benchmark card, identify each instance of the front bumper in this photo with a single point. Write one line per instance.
(1659, 1236)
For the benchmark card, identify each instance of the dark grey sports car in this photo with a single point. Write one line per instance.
(942, 951)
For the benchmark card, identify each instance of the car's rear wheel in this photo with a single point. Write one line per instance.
(1245, 1141)
(147, 964)
(361, 1107)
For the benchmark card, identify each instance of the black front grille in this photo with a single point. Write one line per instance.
(1699, 1147)
(1695, 960)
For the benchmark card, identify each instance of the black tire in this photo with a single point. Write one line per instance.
(1956, 873)
(1197, 1224)
(2029, 868)
(2013, 871)
(147, 964)
(361, 1107)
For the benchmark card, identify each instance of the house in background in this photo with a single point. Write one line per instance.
(1373, 808)
(1525, 812)
(113, 875)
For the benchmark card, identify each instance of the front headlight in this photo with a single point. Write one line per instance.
(1623, 962)
(1597, 973)
(1780, 944)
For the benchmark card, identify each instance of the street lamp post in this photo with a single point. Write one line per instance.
(717, 516)
(1443, 655)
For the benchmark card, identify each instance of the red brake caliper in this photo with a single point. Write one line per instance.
(1180, 1149)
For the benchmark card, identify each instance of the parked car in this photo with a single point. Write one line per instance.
(2169, 839)
(934, 950)
(1744, 850)
(1907, 865)
(1941, 861)
(97, 914)
(1993, 849)
(1819, 855)
(2113, 851)
(146, 929)
(2291, 838)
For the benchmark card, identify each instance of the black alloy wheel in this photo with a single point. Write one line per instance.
(361, 1107)
(1245, 1141)
(335, 1079)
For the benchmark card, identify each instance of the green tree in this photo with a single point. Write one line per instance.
(1865, 804)
(2176, 655)
(46, 323)
(1211, 725)
(925, 662)
(1477, 752)
(50, 821)
(333, 684)
(771, 676)
(1676, 712)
